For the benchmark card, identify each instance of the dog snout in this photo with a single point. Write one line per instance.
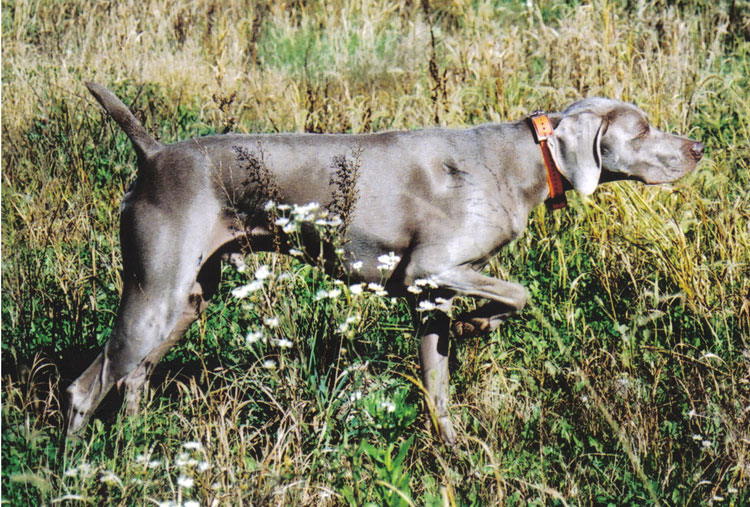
(696, 150)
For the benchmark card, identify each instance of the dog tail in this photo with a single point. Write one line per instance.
(144, 144)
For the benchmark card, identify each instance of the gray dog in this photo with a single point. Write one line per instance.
(439, 203)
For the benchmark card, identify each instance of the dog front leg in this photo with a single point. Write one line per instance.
(434, 358)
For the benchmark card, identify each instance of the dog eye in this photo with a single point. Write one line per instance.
(643, 132)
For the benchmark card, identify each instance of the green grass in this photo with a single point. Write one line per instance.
(625, 382)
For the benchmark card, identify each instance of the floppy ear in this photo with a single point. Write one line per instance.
(575, 146)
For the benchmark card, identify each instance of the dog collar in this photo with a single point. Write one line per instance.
(542, 129)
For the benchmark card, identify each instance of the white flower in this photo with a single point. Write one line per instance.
(357, 265)
(332, 294)
(389, 406)
(282, 221)
(356, 289)
(305, 213)
(190, 503)
(356, 395)
(269, 206)
(414, 289)
(423, 282)
(271, 321)
(344, 326)
(697, 437)
(154, 463)
(269, 364)
(425, 306)
(388, 262)
(72, 472)
(110, 478)
(253, 336)
(289, 228)
(378, 289)
(185, 482)
(193, 446)
(203, 466)
(262, 272)
(243, 291)
(352, 318)
(283, 207)
(284, 343)
(295, 252)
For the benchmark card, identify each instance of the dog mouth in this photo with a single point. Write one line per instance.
(607, 176)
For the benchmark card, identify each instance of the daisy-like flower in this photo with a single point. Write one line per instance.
(356, 289)
(185, 482)
(271, 321)
(389, 406)
(388, 262)
(193, 445)
(282, 221)
(425, 282)
(284, 343)
(331, 294)
(414, 289)
(253, 336)
(378, 289)
(305, 213)
(269, 364)
(351, 319)
(357, 265)
(426, 306)
(108, 477)
(244, 290)
(262, 272)
(295, 252)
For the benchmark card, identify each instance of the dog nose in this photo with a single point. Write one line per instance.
(697, 151)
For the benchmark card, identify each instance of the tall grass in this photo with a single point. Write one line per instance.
(627, 381)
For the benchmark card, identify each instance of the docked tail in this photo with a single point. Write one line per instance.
(144, 144)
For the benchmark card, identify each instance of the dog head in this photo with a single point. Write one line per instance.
(597, 140)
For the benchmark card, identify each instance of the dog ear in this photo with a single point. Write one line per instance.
(575, 146)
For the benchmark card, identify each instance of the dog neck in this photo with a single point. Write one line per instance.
(541, 128)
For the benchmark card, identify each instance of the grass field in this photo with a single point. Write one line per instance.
(625, 382)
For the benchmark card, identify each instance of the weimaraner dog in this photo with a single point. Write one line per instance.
(438, 202)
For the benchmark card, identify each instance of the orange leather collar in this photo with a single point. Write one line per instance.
(542, 128)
